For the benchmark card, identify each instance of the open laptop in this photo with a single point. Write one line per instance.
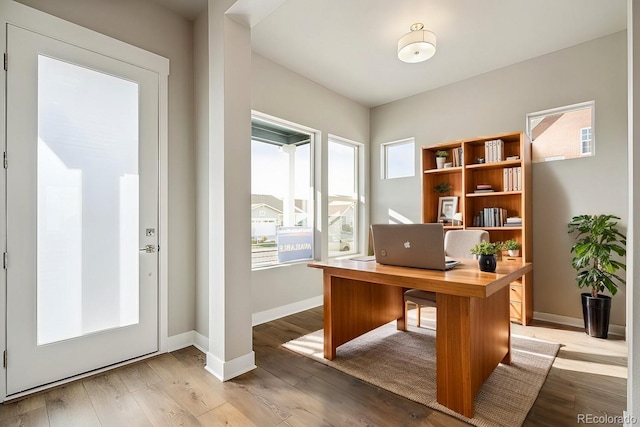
(411, 245)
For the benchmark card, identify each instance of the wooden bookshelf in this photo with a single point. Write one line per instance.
(492, 207)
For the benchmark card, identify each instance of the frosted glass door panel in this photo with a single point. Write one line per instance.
(87, 201)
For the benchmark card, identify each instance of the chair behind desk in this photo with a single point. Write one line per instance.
(457, 244)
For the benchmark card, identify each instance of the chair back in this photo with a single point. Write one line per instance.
(458, 243)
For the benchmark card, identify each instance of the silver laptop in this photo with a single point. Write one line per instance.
(411, 245)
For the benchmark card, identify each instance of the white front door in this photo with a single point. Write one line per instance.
(82, 210)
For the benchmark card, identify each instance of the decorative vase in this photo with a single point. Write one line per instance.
(440, 162)
(487, 263)
(514, 252)
(596, 313)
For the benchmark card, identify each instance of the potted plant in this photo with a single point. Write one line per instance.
(597, 240)
(513, 247)
(441, 157)
(442, 188)
(486, 252)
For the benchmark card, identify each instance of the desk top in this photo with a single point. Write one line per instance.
(464, 280)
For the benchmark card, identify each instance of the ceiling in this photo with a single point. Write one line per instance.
(350, 46)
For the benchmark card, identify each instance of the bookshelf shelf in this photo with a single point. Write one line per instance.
(443, 171)
(511, 196)
(495, 228)
(494, 165)
(495, 193)
(453, 227)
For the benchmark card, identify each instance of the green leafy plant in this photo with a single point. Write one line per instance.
(443, 187)
(442, 153)
(511, 245)
(597, 240)
(486, 248)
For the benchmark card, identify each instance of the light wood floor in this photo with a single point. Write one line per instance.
(588, 376)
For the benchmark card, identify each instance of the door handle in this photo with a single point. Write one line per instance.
(148, 249)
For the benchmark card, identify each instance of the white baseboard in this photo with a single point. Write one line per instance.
(286, 310)
(185, 339)
(196, 339)
(578, 323)
(200, 342)
(230, 369)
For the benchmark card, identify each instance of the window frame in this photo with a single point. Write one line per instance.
(356, 198)
(314, 136)
(530, 117)
(384, 157)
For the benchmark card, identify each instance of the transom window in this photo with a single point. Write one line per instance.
(562, 133)
(398, 159)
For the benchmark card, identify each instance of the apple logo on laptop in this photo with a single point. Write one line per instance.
(407, 245)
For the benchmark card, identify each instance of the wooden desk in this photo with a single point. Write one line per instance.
(473, 327)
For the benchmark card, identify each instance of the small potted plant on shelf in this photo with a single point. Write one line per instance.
(513, 247)
(442, 188)
(486, 252)
(597, 240)
(441, 157)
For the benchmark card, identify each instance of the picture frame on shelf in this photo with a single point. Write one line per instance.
(447, 208)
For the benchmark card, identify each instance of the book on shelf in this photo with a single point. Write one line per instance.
(494, 150)
(484, 188)
(456, 156)
(512, 178)
(490, 217)
(513, 221)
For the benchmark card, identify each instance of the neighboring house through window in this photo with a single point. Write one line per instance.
(562, 133)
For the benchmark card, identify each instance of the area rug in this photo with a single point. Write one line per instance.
(404, 363)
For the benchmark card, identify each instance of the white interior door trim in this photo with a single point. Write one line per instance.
(37, 21)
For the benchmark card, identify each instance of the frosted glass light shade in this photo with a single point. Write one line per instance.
(417, 46)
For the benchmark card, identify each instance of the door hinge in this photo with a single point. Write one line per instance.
(6, 62)
(6, 162)
(4, 260)
(4, 359)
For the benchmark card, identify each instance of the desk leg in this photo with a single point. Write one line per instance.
(329, 335)
(354, 307)
(473, 336)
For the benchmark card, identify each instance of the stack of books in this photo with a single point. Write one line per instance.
(456, 156)
(490, 217)
(513, 221)
(512, 178)
(483, 188)
(494, 151)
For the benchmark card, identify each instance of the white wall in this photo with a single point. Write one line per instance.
(497, 102)
(282, 93)
(201, 98)
(146, 25)
(633, 300)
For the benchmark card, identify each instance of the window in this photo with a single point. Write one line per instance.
(585, 141)
(398, 159)
(343, 165)
(281, 192)
(562, 133)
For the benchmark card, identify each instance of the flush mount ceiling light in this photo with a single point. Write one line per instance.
(417, 46)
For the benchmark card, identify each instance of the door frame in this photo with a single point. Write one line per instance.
(34, 20)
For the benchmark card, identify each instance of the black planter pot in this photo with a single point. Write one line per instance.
(487, 263)
(596, 312)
